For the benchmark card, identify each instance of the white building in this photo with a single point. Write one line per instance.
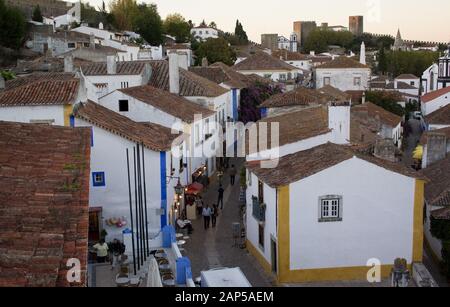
(112, 135)
(437, 76)
(202, 33)
(191, 86)
(296, 59)
(72, 16)
(266, 66)
(344, 74)
(300, 130)
(104, 78)
(149, 104)
(439, 118)
(435, 100)
(290, 43)
(312, 218)
(45, 98)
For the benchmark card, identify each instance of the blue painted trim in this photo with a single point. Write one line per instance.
(263, 112)
(235, 105)
(72, 121)
(101, 183)
(163, 188)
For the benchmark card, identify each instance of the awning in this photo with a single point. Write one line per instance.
(194, 188)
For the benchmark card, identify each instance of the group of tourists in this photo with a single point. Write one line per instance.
(114, 251)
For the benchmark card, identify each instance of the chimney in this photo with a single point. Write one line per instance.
(111, 65)
(183, 60)
(363, 101)
(174, 73)
(385, 149)
(68, 63)
(205, 62)
(313, 53)
(362, 55)
(436, 147)
(92, 41)
(2, 83)
(100, 26)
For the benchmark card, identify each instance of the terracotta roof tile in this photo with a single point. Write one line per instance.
(407, 77)
(191, 84)
(297, 126)
(174, 105)
(375, 111)
(439, 117)
(153, 136)
(298, 97)
(342, 62)
(123, 68)
(40, 89)
(335, 93)
(303, 164)
(437, 189)
(262, 61)
(287, 55)
(435, 94)
(44, 207)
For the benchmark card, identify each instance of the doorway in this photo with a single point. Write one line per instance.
(273, 251)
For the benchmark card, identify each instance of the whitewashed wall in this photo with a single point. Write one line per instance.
(434, 105)
(270, 230)
(343, 79)
(377, 221)
(114, 83)
(109, 155)
(25, 114)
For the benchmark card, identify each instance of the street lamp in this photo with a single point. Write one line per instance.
(179, 188)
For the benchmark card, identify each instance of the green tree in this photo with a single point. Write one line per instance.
(215, 50)
(409, 62)
(12, 26)
(386, 100)
(240, 33)
(37, 14)
(175, 25)
(382, 61)
(319, 40)
(124, 13)
(148, 24)
(213, 24)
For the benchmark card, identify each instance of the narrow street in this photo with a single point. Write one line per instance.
(213, 248)
(411, 141)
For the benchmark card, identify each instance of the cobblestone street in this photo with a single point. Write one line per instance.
(213, 248)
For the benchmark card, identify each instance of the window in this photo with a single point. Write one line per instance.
(326, 80)
(412, 83)
(207, 32)
(357, 81)
(86, 45)
(71, 45)
(261, 236)
(123, 106)
(282, 77)
(98, 179)
(124, 84)
(330, 208)
(194, 32)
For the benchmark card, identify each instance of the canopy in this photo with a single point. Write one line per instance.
(418, 152)
(194, 188)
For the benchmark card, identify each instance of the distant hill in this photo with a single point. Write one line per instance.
(48, 7)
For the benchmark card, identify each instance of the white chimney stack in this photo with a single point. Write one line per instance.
(111, 65)
(68, 63)
(183, 60)
(313, 53)
(362, 55)
(363, 98)
(174, 73)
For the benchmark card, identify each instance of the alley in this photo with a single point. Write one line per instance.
(213, 248)
(411, 141)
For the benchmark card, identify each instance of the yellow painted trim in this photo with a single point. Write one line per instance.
(332, 274)
(283, 234)
(68, 109)
(417, 252)
(262, 261)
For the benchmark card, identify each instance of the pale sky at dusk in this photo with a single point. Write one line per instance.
(416, 19)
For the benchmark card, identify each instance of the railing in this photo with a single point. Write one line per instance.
(259, 210)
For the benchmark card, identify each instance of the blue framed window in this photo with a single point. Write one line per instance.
(72, 121)
(98, 179)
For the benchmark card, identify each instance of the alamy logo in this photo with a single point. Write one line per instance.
(374, 273)
(74, 271)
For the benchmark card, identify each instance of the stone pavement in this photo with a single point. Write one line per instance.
(213, 248)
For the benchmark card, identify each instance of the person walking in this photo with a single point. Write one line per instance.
(206, 216)
(102, 251)
(220, 197)
(199, 204)
(214, 215)
(117, 249)
(232, 174)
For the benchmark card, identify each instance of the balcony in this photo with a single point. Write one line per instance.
(259, 210)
